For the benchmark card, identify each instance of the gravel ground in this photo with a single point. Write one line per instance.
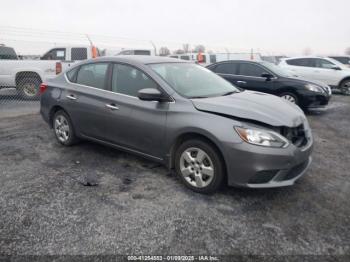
(139, 208)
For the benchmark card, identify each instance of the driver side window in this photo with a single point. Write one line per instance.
(322, 63)
(129, 80)
(55, 54)
(247, 69)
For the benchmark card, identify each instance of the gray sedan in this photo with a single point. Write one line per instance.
(183, 116)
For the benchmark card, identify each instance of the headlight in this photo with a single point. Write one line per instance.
(314, 88)
(262, 137)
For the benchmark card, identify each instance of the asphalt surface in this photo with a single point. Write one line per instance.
(139, 208)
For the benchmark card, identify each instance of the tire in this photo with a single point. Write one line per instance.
(28, 88)
(290, 97)
(203, 173)
(345, 87)
(63, 129)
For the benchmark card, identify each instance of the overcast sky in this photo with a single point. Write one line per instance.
(276, 26)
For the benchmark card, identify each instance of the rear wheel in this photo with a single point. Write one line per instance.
(28, 88)
(290, 97)
(345, 87)
(199, 166)
(63, 128)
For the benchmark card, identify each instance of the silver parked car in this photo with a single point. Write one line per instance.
(184, 116)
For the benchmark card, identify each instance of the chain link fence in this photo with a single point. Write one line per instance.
(29, 57)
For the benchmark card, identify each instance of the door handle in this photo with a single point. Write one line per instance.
(71, 97)
(241, 82)
(112, 106)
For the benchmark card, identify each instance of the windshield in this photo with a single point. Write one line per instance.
(193, 81)
(277, 70)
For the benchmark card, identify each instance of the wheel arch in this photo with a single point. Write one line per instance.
(344, 79)
(27, 74)
(194, 135)
(53, 111)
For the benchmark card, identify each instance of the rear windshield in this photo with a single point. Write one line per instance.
(7, 53)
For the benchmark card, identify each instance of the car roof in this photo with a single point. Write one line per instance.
(139, 59)
(239, 61)
(303, 57)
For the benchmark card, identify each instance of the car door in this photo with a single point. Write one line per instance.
(250, 77)
(94, 109)
(145, 128)
(325, 72)
(227, 70)
(302, 67)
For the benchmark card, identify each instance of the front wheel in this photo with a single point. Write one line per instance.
(345, 87)
(199, 166)
(290, 97)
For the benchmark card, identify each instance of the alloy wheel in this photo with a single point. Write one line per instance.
(61, 128)
(345, 88)
(289, 98)
(196, 167)
(29, 89)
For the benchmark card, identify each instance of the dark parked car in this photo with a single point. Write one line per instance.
(184, 116)
(269, 78)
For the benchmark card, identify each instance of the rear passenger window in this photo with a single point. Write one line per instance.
(301, 62)
(93, 75)
(226, 68)
(128, 80)
(185, 57)
(251, 70)
(79, 54)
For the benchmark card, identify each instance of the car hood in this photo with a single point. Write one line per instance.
(256, 106)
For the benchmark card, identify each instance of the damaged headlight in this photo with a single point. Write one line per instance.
(262, 137)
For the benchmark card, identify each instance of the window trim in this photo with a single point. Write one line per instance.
(109, 81)
(142, 71)
(239, 67)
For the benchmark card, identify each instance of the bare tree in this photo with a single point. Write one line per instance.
(164, 51)
(179, 52)
(186, 48)
(199, 48)
(347, 51)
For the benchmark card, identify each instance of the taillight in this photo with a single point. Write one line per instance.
(58, 68)
(42, 88)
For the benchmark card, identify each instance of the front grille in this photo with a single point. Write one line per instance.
(296, 135)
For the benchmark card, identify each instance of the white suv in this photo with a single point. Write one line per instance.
(326, 70)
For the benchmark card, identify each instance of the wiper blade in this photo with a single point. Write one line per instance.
(229, 93)
(194, 97)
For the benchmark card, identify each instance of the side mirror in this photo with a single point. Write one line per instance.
(152, 94)
(336, 68)
(267, 76)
